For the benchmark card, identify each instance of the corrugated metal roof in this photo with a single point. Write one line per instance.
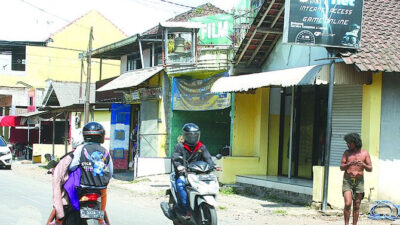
(117, 49)
(288, 77)
(131, 79)
(67, 93)
(263, 34)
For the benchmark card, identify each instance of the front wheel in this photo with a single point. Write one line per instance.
(208, 215)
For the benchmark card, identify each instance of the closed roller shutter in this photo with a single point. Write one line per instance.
(346, 118)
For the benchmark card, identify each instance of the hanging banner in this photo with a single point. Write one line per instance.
(195, 95)
(328, 23)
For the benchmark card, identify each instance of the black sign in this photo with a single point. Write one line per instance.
(328, 23)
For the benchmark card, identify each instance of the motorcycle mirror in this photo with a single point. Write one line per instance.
(218, 156)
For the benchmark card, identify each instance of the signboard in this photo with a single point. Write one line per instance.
(328, 23)
(131, 98)
(217, 29)
(150, 93)
(142, 95)
(195, 95)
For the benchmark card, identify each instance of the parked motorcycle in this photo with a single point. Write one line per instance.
(202, 188)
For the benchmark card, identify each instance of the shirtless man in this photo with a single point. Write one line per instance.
(354, 161)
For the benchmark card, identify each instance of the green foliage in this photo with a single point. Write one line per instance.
(280, 212)
(140, 180)
(171, 46)
(227, 191)
(272, 198)
(222, 207)
(199, 11)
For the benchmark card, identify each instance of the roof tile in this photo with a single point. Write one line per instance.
(380, 38)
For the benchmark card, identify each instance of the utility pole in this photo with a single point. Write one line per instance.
(81, 55)
(89, 62)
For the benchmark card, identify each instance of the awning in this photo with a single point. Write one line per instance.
(289, 77)
(10, 121)
(131, 79)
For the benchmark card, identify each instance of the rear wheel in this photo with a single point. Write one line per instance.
(92, 222)
(176, 222)
(209, 214)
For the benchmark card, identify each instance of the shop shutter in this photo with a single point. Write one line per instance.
(346, 118)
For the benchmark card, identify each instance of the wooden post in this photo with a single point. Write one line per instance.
(89, 62)
(141, 51)
(66, 133)
(101, 67)
(54, 135)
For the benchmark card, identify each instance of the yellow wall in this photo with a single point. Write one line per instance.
(370, 130)
(250, 137)
(58, 64)
(273, 147)
(42, 149)
(104, 118)
(162, 127)
(370, 133)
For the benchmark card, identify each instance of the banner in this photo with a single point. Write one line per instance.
(195, 95)
(217, 29)
(328, 23)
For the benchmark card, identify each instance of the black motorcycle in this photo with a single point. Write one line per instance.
(89, 209)
(202, 189)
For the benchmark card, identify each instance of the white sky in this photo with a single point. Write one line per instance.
(35, 20)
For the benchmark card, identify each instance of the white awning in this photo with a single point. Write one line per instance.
(131, 78)
(288, 77)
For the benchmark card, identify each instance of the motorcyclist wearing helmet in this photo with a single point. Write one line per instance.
(191, 150)
(60, 176)
(94, 161)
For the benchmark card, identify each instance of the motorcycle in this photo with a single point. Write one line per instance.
(202, 188)
(89, 209)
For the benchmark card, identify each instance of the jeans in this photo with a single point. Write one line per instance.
(180, 185)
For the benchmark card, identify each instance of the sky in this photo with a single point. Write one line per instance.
(35, 20)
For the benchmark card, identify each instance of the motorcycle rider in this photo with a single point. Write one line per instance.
(60, 176)
(191, 150)
(95, 162)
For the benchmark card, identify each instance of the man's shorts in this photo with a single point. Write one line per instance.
(355, 185)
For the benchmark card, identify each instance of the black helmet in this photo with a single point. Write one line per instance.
(191, 133)
(93, 132)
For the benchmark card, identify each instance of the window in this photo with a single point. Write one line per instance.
(18, 58)
(134, 62)
(31, 101)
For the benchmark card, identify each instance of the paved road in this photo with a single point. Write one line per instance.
(27, 201)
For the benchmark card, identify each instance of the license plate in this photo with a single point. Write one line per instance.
(206, 177)
(91, 214)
